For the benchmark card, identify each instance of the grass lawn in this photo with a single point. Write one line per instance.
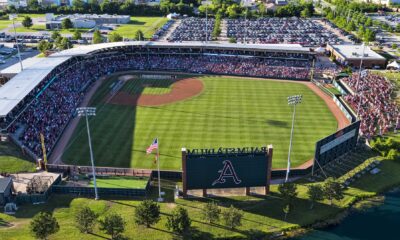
(230, 112)
(12, 160)
(4, 24)
(120, 182)
(148, 25)
(39, 27)
(34, 28)
(262, 214)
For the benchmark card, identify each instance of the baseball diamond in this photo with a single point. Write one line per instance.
(220, 111)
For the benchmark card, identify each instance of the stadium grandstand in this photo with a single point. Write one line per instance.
(43, 97)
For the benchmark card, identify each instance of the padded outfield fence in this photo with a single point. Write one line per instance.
(89, 191)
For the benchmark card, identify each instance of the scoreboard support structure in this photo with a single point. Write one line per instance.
(230, 168)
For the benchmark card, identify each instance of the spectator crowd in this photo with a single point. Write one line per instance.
(57, 96)
(193, 29)
(280, 31)
(372, 98)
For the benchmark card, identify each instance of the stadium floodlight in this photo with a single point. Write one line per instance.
(206, 3)
(89, 112)
(292, 101)
(12, 17)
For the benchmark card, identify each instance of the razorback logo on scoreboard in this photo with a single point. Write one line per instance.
(227, 171)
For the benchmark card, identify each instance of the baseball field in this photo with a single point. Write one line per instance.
(197, 112)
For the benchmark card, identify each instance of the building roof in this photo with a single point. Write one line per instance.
(354, 52)
(16, 68)
(24, 82)
(4, 183)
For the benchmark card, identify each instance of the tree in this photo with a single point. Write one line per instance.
(394, 46)
(368, 22)
(27, 22)
(97, 38)
(393, 154)
(333, 190)
(397, 29)
(114, 37)
(232, 40)
(261, 9)
(288, 192)
(55, 35)
(361, 32)
(85, 220)
(315, 193)
(305, 13)
(77, 35)
(113, 225)
(139, 36)
(66, 23)
(179, 221)
(64, 44)
(43, 225)
(147, 213)
(369, 35)
(286, 211)
(211, 212)
(44, 45)
(232, 217)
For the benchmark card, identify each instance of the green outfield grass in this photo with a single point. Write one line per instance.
(12, 160)
(230, 112)
(120, 182)
(148, 25)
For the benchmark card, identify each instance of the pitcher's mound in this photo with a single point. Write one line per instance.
(180, 90)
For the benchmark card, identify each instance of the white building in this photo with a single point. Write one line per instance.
(383, 2)
(85, 20)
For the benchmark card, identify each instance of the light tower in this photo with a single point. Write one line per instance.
(292, 101)
(86, 112)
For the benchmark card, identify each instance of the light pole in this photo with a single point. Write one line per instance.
(292, 101)
(12, 17)
(86, 112)
(206, 3)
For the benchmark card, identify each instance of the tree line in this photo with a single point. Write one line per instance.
(147, 213)
(224, 8)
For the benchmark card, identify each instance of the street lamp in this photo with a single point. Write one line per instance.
(292, 101)
(12, 17)
(86, 112)
(206, 3)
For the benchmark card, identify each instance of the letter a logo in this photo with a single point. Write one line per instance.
(227, 172)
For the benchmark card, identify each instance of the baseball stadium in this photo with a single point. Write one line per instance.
(186, 95)
(232, 124)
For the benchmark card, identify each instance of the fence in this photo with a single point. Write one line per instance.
(68, 169)
(126, 192)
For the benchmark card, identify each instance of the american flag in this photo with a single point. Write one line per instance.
(153, 146)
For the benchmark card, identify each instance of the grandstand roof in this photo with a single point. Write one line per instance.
(267, 47)
(350, 52)
(24, 82)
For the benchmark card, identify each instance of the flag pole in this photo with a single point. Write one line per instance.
(158, 166)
